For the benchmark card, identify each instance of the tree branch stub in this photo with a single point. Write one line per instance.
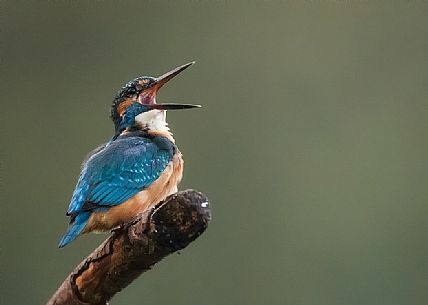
(134, 248)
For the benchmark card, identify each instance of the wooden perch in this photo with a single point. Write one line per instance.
(134, 248)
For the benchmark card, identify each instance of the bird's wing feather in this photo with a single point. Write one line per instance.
(117, 172)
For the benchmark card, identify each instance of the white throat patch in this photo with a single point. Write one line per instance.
(153, 119)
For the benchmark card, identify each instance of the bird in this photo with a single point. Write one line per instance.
(136, 169)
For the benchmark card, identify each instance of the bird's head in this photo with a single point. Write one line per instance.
(142, 90)
(147, 116)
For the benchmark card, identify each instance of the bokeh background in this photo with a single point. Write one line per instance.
(312, 144)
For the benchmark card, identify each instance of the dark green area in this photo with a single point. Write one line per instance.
(312, 144)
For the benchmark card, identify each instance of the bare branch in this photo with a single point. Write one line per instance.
(134, 248)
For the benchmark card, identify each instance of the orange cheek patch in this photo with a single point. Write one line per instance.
(124, 105)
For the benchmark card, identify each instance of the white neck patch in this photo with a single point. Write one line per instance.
(153, 119)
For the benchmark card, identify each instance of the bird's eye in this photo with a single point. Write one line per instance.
(131, 91)
(138, 88)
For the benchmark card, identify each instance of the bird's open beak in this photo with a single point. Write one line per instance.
(163, 79)
(148, 96)
(173, 106)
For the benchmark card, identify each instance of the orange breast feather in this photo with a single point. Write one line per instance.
(161, 188)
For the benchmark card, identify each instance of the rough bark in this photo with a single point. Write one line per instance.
(134, 248)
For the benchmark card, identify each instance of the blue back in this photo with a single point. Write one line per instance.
(120, 170)
(114, 173)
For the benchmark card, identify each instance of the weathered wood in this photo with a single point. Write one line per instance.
(134, 248)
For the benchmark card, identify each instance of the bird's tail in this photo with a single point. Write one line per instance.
(76, 226)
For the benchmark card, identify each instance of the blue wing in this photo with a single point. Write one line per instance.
(115, 173)
(119, 171)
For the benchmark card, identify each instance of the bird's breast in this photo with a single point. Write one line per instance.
(161, 188)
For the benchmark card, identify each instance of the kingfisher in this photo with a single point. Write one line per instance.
(136, 169)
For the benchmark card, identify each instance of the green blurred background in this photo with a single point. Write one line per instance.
(312, 144)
